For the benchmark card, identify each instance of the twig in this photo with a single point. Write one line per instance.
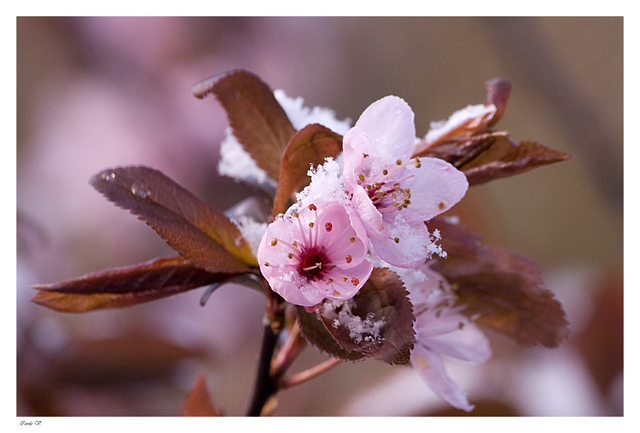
(309, 374)
(265, 385)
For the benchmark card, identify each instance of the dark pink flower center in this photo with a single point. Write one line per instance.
(313, 263)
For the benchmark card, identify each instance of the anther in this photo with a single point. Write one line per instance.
(396, 240)
(274, 242)
(348, 258)
(355, 281)
(328, 227)
(312, 207)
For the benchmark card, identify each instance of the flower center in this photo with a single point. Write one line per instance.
(385, 185)
(313, 263)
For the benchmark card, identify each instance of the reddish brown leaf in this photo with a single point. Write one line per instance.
(377, 322)
(256, 118)
(198, 402)
(314, 331)
(483, 154)
(498, 91)
(503, 158)
(308, 147)
(199, 233)
(125, 286)
(504, 289)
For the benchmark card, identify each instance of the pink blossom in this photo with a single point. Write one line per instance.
(442, 330)
(315, 253)
(393, 193)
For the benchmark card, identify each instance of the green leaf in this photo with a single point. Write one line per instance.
(377, 322)
(125, 286)
(309, 147)
(501, 288)
(255, 116)
(199, 233)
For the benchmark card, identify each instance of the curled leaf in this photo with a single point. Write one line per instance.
(469, 143)
(377, 322)
(199, 233)
(125, 286)
(498, 92)
(501, 288)
(255, 116)
(309, 147)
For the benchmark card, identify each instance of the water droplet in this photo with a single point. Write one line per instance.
(108, 175)
(139, 190)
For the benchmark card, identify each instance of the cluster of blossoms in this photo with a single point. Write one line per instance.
(351, 262)
(371, 205)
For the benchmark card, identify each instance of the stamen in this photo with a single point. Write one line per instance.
(348, 258)
(274, 242)
(396, 240)
(355, 281)
(328, 227)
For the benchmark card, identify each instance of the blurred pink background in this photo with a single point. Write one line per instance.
(94, 93)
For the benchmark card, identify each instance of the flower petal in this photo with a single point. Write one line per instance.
(431, 369)
(406, 246)
(389, 126)
(435, 188)
(466, 342)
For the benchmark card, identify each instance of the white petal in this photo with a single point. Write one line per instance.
(389, 126)
(431, 368)
(467, 343)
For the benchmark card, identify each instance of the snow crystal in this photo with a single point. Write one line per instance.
(326, 185)
(366, 329)
(236, 163)
(442, 127)
(251, 230)
(301, 116)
